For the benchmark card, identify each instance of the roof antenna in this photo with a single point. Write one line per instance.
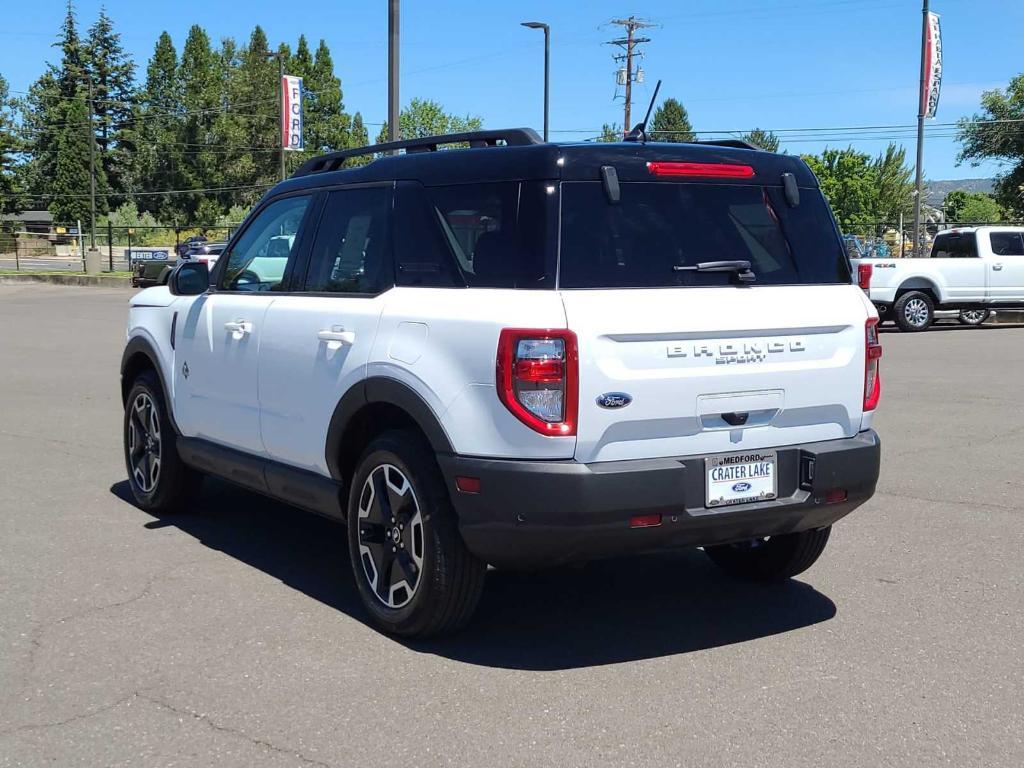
(639, 132)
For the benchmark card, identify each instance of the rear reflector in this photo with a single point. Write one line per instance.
(835, 495)
(468, 484)
(864, 272)
(706, 170)
(644, 521)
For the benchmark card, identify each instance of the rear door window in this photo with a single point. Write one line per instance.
(1006, 243)
(657, 228)
(498, 232)
(958, 245)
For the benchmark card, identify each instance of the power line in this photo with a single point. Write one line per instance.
(628, 75)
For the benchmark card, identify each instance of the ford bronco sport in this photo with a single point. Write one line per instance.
(521, 354)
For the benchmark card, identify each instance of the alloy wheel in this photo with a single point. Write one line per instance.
(973, 315)
(144, 444)
(391, 537)
(916, 312)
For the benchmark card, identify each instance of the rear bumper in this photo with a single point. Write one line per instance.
(538, 513)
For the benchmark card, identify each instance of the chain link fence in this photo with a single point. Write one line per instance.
(63, 247)
(894, 239)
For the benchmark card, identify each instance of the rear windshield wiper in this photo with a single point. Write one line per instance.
(740, 268)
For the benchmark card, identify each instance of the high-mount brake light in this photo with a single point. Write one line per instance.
(538, 378)
(705, 170)
(872, 354)
(864, 272)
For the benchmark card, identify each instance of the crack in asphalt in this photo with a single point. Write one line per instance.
(73, 719)
(205, 720)
(36, 639)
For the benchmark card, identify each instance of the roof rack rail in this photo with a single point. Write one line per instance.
(734, 143)
(512, 137)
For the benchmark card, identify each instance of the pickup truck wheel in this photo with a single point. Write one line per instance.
(973, 316)
(412, 569)
(914, 311)
(775, 557)
(160, 481)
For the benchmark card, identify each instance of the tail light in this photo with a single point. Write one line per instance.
(864, 272)
(872, 354)
(538, 378)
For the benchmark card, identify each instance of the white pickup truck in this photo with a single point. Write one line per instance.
(971, 269)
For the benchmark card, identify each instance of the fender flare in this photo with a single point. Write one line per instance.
(381, 389)
(140, 345)
(929, 284)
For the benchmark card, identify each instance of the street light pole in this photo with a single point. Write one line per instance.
(547, 67)
(280, 98)
(922, 110)
(92, 172)
(394, 114)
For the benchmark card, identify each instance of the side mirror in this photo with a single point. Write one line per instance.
(189, 278)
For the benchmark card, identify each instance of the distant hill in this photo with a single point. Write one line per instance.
(936, 191)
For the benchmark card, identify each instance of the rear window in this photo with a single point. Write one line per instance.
(955, 246)
(1006, 243)
(656, 227)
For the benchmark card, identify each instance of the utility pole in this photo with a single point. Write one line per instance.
(922, 110)
(284, 117)
(547, 66)
(92, 171)
(394, 129)
(629, 44)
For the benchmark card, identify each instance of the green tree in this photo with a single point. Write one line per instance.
(671, 123)
(112, 74)
(9, 146)
(971, 208)
(326, 125)
(862, 190)
(359, 137)
(995, 134)
(766, 140)
(155, 119)
(70, 183)
(610, 133)
(423, 118)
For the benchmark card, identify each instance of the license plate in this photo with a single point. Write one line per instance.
(740, 478)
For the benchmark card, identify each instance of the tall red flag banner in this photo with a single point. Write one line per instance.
(933, 67)
(291, 113)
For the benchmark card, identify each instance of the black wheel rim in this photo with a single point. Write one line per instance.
(391, 539)
(144, 444)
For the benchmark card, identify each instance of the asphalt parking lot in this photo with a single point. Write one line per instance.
(234, 637)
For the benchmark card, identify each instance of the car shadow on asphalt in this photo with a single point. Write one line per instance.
(605, 612)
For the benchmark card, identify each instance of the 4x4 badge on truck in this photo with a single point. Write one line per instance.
(614, 400)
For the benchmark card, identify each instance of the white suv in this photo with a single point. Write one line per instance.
(522, 354)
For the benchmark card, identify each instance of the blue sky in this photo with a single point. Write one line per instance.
(735, 64)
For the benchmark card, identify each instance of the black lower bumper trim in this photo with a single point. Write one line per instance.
(535, 513)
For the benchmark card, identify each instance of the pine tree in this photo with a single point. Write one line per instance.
(254, 97)
(199, 73)
(766, 140)
(327, 125)
(671, 123)
(113, 80)
(8, 147)
(358, 137)
(157, 159)
(70, 183)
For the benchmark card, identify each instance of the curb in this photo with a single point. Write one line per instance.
(95, 280)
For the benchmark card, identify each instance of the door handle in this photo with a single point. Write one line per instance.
(997, 267)
(238, 328)
(337, 335)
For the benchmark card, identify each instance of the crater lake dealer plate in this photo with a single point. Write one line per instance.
(740, 478)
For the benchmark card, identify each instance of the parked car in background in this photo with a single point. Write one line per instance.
(207, 252)
(972, 270)
(188, 244)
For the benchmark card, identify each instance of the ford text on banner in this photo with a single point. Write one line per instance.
(291, 113)
(933, 68)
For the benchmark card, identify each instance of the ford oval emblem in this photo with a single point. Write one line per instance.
(614, 400)
(741, 487)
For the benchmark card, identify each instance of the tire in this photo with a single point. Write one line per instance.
(777, 557)
(914, 311)
(973, 316)
(428, 583)
(159, 480)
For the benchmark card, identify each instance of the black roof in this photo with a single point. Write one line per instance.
(526, 159)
